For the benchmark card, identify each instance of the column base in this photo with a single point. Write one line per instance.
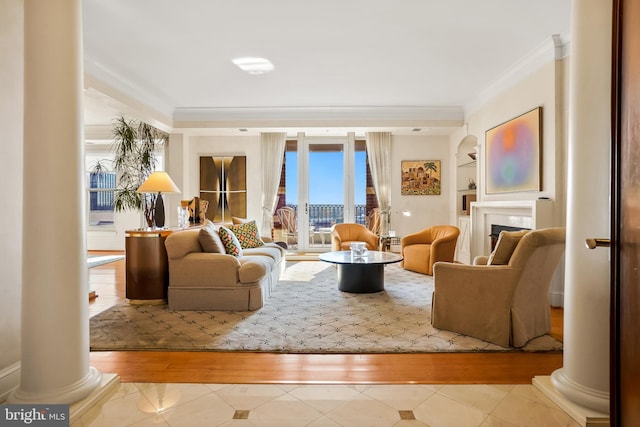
(109, 383)
(65, 395)
(584, 416)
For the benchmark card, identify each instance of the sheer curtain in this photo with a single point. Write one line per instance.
(273, 145)
(379, 152)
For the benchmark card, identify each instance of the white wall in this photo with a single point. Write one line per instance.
(542, 88)
(11, 136)
(249, 146)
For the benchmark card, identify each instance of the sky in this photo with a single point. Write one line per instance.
(326, 173)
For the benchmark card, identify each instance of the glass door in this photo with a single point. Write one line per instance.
(325, 184)
(325, 195)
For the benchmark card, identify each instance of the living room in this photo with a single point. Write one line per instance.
(544, 84)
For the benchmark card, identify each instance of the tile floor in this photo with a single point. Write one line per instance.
(193, 405)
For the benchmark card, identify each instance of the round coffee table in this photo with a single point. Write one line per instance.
(362, 274)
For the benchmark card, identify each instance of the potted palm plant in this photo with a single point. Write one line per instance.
(134, 148)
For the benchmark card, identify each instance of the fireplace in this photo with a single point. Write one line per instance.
(496, 229)
(529, 214)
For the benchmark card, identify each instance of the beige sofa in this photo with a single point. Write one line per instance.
(200, 280)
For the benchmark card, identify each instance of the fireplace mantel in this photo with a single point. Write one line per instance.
(533, 214)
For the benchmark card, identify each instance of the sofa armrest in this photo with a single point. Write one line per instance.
(180, 243)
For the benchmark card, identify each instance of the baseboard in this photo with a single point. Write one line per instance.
(556, 299)
(9, 380)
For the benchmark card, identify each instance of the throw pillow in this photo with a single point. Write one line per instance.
(238, 220)
(209, 239)
(230, 242)
(506, 244)
(247, 234)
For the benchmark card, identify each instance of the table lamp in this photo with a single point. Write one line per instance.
(158, 182)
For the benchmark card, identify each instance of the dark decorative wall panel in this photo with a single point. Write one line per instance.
(223, 183)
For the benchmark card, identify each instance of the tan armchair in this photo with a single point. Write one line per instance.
(504, 304)
(423, 249)
(343, 234)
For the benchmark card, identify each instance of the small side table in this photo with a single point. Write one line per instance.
(386, 242)
(147, 266)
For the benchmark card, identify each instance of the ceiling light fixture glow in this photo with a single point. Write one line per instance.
(253, 65)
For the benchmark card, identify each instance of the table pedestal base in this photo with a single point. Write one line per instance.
(360, 278)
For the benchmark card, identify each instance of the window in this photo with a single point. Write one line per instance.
(100, 184)
(101, 191)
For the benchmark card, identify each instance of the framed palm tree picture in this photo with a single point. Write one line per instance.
(420, 177)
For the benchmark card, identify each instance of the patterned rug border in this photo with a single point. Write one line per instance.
(394, 321)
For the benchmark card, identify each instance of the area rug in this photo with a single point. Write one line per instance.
(94, 261)
(305, 314)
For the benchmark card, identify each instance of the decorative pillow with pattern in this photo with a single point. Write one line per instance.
(248, 234)
(230, 241)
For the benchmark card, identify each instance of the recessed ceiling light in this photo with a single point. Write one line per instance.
(253, 65)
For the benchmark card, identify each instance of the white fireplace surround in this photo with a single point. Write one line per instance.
(533, 214)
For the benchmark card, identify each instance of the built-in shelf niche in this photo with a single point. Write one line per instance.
(466, 173)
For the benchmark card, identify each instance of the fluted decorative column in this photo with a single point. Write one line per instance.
(55, 327)
(584, 377)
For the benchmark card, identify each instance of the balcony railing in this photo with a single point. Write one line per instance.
(325, 215)
(321, 217)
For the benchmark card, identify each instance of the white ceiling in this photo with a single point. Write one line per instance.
(355, 64)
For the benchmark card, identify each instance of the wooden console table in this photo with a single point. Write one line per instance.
(147, 266)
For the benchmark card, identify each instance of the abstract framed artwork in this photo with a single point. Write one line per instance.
(223, 183)
(420, 177)
(512, 152)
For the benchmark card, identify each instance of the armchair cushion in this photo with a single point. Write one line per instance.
(506, 244)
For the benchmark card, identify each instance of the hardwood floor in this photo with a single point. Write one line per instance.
(260, 368)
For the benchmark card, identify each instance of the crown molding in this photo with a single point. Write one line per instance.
(555, 47)
(134, 98)
(318, 116)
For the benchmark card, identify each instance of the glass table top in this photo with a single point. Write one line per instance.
(369, 257)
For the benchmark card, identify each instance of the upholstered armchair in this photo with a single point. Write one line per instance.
(505, 301)
(343, 234)
(423, 249)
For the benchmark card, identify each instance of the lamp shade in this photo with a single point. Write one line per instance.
(158, 182)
